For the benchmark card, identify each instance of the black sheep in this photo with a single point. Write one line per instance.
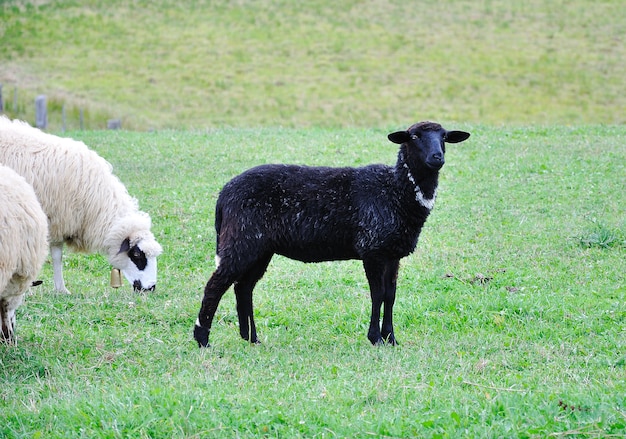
(312, 214)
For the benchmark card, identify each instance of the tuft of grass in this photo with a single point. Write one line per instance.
(602, 236)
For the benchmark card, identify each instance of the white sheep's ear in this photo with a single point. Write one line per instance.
(399, 137)
(455, 136)
(125, 246)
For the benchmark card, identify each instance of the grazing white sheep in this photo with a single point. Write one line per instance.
(23, 245)
(88, 208)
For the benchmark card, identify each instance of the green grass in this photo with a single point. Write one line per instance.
(511, 313)
(165, 64)
(509, 327)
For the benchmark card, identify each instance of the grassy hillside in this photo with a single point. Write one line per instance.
(187, 63)
(511, 314)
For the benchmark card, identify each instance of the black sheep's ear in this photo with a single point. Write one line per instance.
(125, 246)
(399, 137)
(455, 136)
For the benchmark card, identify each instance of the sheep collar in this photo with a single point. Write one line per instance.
(427, 203)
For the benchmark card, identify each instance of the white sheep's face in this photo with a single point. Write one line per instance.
(138, 267)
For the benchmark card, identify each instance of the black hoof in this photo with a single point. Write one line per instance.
(376, 341)
(202, 336)
(390, 339)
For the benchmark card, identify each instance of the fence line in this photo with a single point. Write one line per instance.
(41, 112)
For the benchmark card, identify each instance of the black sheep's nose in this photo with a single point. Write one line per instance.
(435, 161)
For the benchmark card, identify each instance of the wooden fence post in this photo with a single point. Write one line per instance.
(41, 112)
(114, 124)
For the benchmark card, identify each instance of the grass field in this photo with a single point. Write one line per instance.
(189, 63)
(511, 314)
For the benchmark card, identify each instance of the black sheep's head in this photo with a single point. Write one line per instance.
(424, 144)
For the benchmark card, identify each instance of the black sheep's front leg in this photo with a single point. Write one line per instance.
(390, 277)
(374, 271)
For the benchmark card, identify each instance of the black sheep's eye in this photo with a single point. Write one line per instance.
(413, 136)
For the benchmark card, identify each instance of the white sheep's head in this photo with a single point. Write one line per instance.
(140, 263)
(135, 253)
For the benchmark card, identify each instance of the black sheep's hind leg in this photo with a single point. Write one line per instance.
(215, 288)
(243, 293)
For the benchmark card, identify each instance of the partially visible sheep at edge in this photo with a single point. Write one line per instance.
(23, 245)
(374, 213)
(88, 208)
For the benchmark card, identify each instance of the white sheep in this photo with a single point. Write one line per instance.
(88, 208)
(23, 245)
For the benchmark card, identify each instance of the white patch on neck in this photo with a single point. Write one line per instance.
(428, 203)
